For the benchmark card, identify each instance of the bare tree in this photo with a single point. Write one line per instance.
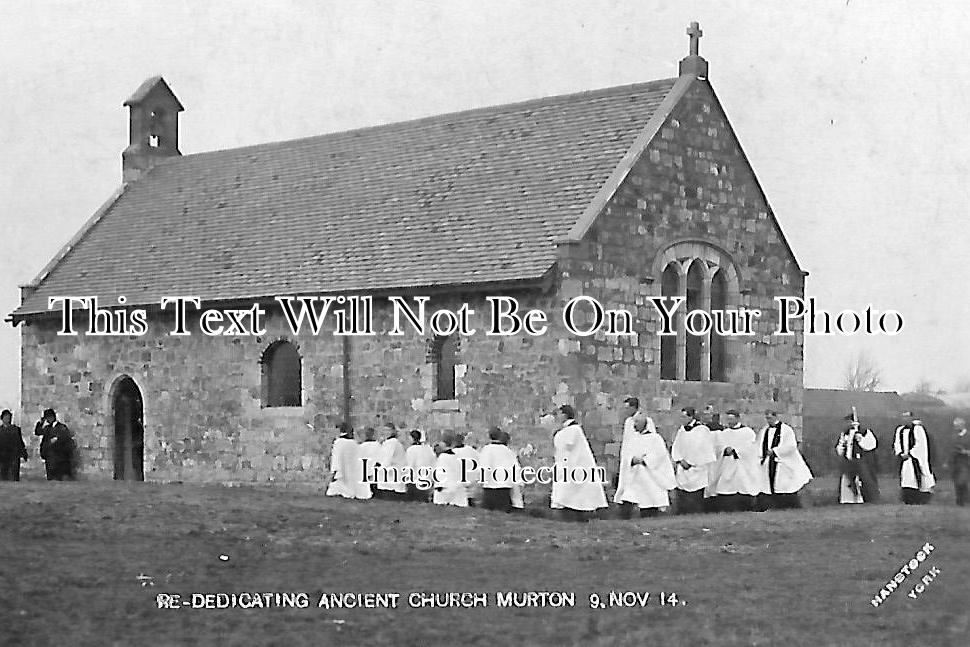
(862, 374)
(924, 387)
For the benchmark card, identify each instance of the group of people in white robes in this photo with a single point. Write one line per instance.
(453, 469)
(711, 468)
(720, 469)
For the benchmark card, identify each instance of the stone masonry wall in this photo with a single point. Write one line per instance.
(692, 183)
(203, 413)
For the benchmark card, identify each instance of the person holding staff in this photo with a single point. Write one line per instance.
(856, 449)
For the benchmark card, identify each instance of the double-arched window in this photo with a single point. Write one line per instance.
(705, 276)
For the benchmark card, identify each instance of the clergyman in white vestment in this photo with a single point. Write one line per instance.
(735, 479)
(370, 455)
(346, 469)
(783, 471)
(911, 446)
(392, 459)
(419, 459)
(646, 473)
(449, 489)
(577, 486)
(693, 456)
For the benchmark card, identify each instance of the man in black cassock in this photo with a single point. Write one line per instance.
(12, 448)
(857, 453)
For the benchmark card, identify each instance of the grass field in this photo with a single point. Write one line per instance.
(82, 563)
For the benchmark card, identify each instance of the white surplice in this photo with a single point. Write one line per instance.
(572, 451)
(915, 443)
(866, 440)
(695, 446)
(392, 456)
(448, 488)
(736, 475)
(499, 466)
(369, 450)
(470, 463)
(646, 485)
(791, 473)
(347, 471)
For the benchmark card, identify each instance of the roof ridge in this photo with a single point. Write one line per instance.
(515, 105)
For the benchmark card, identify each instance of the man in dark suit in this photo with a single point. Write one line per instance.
(56, 447)
(12, 448)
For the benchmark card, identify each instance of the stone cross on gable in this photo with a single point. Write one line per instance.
(695, 33)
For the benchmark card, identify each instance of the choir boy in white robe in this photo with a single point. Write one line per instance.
(692, 453)
(912, 447)
(420, 459)
(346, 469)
(448, 487)
(499, 467)
(856, 450)
(392, 459)
(370, 451)
(577, 486)
(736, 474)
(646, 473)
(783, 471)
(469, 460)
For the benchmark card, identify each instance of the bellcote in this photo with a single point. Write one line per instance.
(152, 127)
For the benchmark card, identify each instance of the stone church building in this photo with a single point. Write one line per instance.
(618, 194)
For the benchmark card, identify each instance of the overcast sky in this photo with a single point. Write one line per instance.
(853, 114)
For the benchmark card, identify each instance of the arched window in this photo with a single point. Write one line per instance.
(719, 293)
(695, 301)
(706, 277)
(669, 287)
(444, 357)
(282, 381)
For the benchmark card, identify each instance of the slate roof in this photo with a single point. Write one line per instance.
(466, 198)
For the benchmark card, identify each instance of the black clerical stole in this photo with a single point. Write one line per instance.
(771, 440)
(907, 442)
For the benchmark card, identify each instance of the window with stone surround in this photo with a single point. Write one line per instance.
(282, 384)
(705, 275)
(443, 356)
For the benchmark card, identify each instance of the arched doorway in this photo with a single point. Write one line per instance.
(129, 436)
